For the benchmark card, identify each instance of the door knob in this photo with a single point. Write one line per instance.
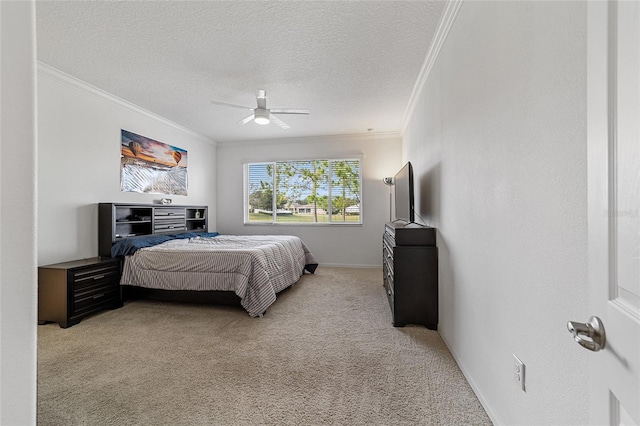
(590, 335)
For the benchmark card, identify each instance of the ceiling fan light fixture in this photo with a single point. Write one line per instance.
(262, 117)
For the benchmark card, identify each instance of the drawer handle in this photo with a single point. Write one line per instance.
(98, 277)
(98, 296)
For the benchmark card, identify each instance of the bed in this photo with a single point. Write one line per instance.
(255, 268)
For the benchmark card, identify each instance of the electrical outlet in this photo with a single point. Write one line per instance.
(518, 372)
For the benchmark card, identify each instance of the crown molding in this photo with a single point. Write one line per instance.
(446, 22)
(76, 83)
(318, 139)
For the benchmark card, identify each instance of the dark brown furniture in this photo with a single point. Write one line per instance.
(117, 221)
(410, 274)
(70, 291)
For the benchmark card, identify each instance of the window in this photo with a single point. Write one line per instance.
(306, 191)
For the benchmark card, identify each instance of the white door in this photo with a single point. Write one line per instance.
(613, 88)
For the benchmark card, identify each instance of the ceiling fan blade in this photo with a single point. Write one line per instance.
(289, 111)
(261, 97)
(229, 105)
(247, 119)
(280, 122)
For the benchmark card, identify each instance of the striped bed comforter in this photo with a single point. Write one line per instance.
(255, 267)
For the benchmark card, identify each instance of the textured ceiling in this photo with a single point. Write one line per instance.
(353, 64)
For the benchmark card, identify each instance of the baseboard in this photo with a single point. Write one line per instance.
(476, 389)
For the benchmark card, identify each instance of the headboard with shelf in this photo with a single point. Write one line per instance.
(119, 220)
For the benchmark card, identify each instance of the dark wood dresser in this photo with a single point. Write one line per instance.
(410, 274)
(70, 291)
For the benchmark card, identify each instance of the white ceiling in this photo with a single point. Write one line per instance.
(353, 64)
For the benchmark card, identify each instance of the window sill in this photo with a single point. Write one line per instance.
(301, 224)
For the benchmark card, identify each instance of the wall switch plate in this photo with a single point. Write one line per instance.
(518, 372)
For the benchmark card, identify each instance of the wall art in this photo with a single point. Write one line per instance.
(151, 167)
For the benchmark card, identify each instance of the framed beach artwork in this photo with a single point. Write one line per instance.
(151, 167)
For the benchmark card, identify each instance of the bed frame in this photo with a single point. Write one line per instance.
(214, 297)
(119, 220)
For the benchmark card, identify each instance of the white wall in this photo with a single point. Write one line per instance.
(498, 144)
(17, 214)
(332, 245)
(79, 163)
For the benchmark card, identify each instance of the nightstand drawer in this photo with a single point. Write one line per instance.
(82, 279)
(94, 300)
(94, 287)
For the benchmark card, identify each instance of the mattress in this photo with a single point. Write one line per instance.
(255, 267)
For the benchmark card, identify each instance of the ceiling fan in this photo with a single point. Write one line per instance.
(262, 115)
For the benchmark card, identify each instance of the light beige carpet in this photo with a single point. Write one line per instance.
(325, 353)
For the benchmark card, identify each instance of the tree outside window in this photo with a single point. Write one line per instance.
(307, 191)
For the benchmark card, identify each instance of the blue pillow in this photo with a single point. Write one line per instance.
(129, 246)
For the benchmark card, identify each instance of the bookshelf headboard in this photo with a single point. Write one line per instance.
(117, 221)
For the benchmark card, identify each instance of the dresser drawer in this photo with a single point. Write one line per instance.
(388, 276)
(389, 239)
(387, 258)
(387, 280)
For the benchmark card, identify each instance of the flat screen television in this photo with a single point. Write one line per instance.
(404, 194)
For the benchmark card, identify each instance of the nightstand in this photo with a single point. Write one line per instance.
(70, 291)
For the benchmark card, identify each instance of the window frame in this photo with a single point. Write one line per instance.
(274, 222)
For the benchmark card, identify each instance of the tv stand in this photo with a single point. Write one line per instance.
(410, 274)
